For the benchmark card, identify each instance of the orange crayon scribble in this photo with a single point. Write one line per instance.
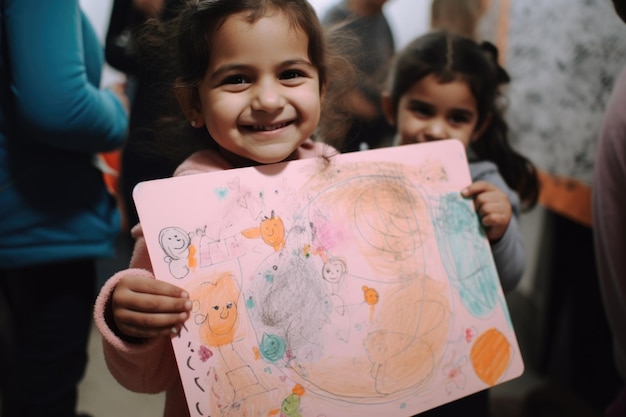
(192, 262)
(274, 412)
(298, 390)
(490, 356)
(371, 297)
(257, 353)
(320, 251)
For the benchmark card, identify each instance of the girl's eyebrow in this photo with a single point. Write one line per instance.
(417, 101)
(297, 61)
(228, 68)
(464, 111)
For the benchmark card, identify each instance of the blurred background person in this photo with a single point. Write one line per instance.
(609, 222)
(124, 53)
(56, 214)
(562, 80)
(126, 17)
(374, 47)
(457, 16)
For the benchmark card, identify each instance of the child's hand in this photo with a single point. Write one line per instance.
(493, 208)
(145, 307)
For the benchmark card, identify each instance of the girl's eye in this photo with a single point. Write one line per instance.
(291, 74)
(460, 118)
(422, 109)
(235, 79)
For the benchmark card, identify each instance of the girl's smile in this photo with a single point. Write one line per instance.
(260, 97)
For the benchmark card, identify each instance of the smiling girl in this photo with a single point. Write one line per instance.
(250, 77)
(446, 86)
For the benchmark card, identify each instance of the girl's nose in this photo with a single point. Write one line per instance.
(267, 97)
(436, 130)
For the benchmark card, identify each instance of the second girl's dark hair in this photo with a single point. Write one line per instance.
(451, 57)
(179, 45)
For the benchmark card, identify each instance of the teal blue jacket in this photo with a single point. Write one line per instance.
(54, 119)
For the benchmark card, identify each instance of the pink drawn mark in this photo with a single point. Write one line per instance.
(205, 353)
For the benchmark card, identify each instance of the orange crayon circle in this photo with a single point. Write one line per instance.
(490, 356)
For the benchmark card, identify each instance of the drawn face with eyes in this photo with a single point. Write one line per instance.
(218, 302)
(273, 231)
(174, 242)
(333, 270)
(222, 312)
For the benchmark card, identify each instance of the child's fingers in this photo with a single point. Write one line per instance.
(150, 303)
(477, 187)
(143, 325)
(494, 219)
(492, 206)
(145, 307)
(152, 286)
(149, 295)
(148, 333)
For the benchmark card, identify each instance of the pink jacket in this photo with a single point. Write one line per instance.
(150, 367)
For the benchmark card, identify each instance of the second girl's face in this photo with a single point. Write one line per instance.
(260, 96)
(430, 111)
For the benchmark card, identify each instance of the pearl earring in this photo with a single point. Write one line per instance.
(193, 123)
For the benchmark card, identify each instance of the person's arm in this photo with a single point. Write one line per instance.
(505, 238)
(609, 216)
(140, 365)
(56, 61)
(509, 256)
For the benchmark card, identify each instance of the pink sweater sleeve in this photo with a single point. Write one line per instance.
(148, 367)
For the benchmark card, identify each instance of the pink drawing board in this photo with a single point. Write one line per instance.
(363, 287)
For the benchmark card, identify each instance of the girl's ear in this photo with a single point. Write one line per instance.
(190, 107)
(387, 107)
(480, 130)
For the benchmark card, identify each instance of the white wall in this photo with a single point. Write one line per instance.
(99, 12)
(408, 18)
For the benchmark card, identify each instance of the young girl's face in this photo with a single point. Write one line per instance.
(430, 110)
(260, 97)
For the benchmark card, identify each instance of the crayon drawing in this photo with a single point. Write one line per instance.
(361, 287)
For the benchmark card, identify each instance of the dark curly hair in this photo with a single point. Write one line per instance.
(176, 49)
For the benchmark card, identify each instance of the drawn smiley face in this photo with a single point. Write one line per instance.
(333, 270)
(222, 313)
(273, 231)
(174, 242)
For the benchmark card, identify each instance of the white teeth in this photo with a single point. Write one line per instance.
(268, 128)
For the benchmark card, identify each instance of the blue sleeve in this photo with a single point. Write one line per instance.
(56, 62)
